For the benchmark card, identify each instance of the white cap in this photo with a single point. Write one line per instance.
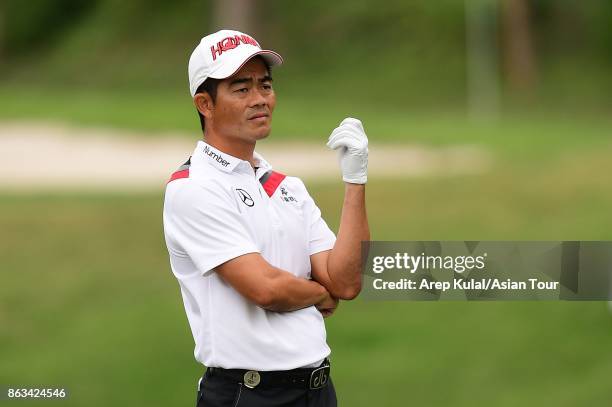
(222, 54)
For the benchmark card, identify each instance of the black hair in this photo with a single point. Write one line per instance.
(210, 86)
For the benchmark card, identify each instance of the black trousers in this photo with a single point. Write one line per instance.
(219, 391)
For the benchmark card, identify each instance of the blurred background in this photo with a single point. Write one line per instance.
(487, 120)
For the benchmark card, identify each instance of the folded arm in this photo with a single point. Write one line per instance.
(269, 287)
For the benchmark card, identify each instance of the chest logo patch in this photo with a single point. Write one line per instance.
(245, 197)
(285, 196)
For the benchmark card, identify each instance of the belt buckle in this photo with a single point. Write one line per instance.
(319, 377)
(251, 379)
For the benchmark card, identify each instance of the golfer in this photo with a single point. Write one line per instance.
(257, 265)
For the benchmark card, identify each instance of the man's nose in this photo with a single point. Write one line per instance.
(258, 98)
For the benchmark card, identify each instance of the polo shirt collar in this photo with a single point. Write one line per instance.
(205, 153)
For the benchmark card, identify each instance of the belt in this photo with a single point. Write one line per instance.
(307, 378)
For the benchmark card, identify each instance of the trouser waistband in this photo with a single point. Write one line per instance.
(309, 378)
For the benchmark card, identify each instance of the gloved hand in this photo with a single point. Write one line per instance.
(351, 142)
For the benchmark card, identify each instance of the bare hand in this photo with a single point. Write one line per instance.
(327, 306)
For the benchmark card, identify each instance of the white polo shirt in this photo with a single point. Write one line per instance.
(217, 209)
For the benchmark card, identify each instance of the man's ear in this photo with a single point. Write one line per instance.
(203, 102)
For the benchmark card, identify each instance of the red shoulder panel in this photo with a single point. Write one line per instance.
(273, 182)
(179, 174)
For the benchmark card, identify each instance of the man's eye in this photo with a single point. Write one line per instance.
(267, 86)
(242, 90)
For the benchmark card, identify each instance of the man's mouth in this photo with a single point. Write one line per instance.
(259, 116)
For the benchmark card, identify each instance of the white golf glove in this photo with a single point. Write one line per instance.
(351, 142)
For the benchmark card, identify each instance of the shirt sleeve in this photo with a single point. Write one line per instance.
(207, 226)
(320, 236)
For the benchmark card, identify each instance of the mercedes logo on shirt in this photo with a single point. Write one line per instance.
(245, 197)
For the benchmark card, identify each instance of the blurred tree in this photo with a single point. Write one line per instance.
(1, 33)
(34, 24)
(235, 14)
(482, 58)
(518, 50)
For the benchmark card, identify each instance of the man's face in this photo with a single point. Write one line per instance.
(244, 104)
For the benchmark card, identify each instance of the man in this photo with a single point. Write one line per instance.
(257, 266)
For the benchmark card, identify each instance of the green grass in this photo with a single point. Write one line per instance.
(88, 301)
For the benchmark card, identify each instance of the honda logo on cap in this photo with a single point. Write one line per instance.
(229, 43)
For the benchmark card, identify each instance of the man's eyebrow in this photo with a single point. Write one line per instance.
(266, 78)
(240, 80)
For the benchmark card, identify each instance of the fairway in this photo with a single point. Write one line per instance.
(485, 121)
(91, 305)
